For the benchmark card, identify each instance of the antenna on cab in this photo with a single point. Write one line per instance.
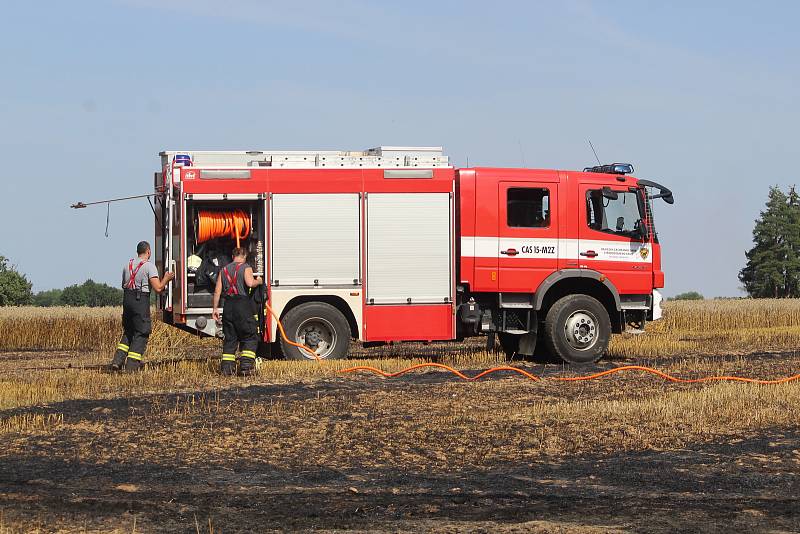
(594, 151)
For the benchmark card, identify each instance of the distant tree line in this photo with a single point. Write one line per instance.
(16, 290)
(89, 293)
(689, 295)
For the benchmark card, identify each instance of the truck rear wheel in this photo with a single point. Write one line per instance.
(578, 329)
(319, 326)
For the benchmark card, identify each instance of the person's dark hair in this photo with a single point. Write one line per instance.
(239, 251)
(142, 247)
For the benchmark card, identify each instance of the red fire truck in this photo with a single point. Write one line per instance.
(394, 244)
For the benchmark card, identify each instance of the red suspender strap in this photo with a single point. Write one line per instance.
(231, 285)
(133, 272)
(232, 289)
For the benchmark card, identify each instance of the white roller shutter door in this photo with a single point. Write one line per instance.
(316, 237)
(409, 248)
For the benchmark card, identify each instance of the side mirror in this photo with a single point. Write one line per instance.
(668, 198)
(609, 194)
(663, 192)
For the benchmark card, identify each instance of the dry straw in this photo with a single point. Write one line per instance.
(84, 329)
(89, 336)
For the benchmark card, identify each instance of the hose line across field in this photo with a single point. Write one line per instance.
(530, 376)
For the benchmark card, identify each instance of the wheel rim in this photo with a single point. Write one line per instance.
(580, 330)
(317, 334)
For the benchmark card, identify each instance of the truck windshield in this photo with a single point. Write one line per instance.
(620, 216)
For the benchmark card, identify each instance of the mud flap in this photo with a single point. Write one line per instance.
(527, 343)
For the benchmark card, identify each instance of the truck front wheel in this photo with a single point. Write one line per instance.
(578, 329)
(320, 327)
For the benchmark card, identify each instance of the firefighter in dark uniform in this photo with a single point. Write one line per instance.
(238, 314)
(139, 276)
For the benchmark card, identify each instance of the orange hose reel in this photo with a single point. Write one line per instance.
(214, 224)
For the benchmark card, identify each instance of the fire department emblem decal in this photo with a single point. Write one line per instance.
(644, 252)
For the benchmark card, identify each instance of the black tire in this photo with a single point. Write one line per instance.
(307, 324)
(509, 343)
(589, 329)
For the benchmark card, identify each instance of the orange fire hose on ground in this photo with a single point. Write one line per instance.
(214, 224)
(531, 376)
(286, 338)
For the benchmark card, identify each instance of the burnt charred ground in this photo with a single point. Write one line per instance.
(719, 487)
(422, 452)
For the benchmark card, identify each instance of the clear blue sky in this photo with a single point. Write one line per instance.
(703, 98)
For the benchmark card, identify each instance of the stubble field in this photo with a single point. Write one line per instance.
(299, 446)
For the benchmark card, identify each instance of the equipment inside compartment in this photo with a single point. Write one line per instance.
(213, 230)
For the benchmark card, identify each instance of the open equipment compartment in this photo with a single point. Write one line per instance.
(212, 223)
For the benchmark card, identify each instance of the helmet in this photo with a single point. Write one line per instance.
(193, 262)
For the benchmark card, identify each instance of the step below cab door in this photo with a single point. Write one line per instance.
(528, 246)
(610, 241)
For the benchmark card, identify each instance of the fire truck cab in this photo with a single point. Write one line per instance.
(394, 244)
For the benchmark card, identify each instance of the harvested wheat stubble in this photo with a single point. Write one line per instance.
(743, 325)
(681, 343)
(96, 329)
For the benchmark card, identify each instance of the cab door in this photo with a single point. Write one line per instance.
(609, 238)
(528, 246)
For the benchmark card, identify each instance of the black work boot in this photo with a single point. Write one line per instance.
(119, 360)
(132, 364)
(228, 368)
(247, 366)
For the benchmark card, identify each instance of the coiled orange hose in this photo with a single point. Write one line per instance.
(213, 224)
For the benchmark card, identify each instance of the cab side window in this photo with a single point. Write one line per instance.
(621, 216)
(528, 207)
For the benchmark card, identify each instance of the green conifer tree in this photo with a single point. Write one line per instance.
(773, 264)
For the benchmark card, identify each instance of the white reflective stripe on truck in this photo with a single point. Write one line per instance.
(491, 247)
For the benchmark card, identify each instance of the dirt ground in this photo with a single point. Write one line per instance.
(424, 452)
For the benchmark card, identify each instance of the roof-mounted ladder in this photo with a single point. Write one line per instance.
(394, 157)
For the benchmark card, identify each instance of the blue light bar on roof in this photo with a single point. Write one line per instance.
(614, 168)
